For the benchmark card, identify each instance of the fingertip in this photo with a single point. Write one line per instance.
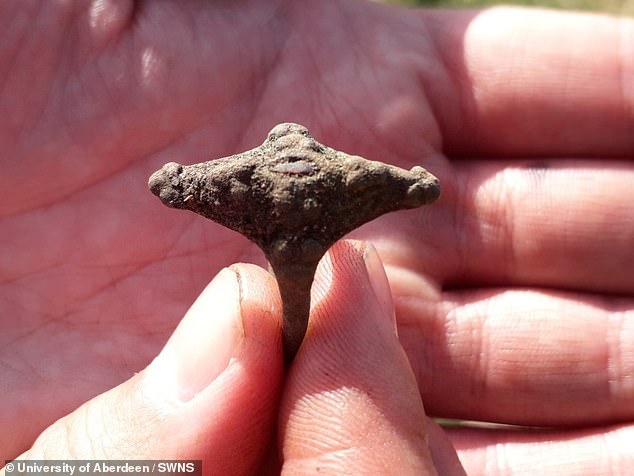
(228, 414)
(260, 307)
(234, 322)
(351, 386)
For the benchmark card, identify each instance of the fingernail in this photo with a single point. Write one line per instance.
(379, 283)
(204, 342)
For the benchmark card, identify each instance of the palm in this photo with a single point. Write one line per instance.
(115, 271)
(95, 273)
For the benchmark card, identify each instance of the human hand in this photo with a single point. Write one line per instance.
(507, 303)
(349, 405)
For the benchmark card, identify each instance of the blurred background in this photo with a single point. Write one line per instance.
(617, 7)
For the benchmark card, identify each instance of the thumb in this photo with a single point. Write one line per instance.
(351, 404)
(211, 393)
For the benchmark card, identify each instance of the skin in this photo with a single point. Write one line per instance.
(512, 294)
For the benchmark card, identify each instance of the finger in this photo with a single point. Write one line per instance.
(351, 405)
(532, 82)
(211, 393)
(525, 357)
(603, 450)
(564, 224)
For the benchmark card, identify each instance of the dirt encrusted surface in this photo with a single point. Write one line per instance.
(293, 197)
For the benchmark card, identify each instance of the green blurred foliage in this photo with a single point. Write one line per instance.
(619, 7)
